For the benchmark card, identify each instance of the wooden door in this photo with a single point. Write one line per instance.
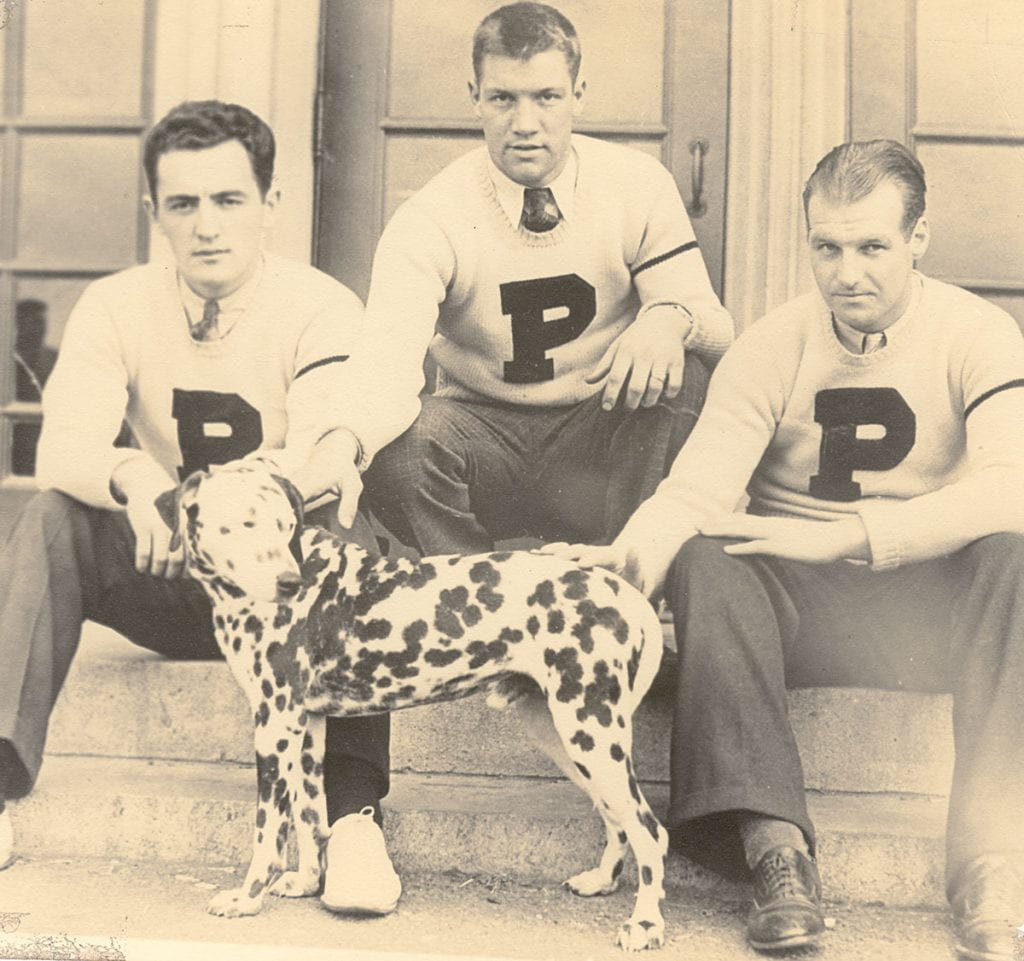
(946, 77)
(394, 107)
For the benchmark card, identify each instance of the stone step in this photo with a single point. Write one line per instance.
(873, 848)
(154, 911)
(121, 701)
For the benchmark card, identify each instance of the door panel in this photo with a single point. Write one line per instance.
(396, 108)
(949, 81)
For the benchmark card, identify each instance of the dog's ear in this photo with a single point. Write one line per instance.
(294, 498)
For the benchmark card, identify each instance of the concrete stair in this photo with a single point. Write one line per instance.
(150, 759)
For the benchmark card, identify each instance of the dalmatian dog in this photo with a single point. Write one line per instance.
(347, 632)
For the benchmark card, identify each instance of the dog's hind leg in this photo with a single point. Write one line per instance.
(304, 772)
(597, 737)
(533, 711)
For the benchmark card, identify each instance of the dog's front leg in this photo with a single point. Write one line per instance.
(273, 807)
(309, 807)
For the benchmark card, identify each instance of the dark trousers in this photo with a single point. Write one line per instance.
(467, 473)
(749, 627)
(64, 563)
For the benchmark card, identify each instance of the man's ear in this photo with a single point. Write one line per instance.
(577, 97)
(920, 237)
(474, 95)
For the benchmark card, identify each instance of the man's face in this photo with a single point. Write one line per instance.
(862, 261)
(527, 108)
(209, 208)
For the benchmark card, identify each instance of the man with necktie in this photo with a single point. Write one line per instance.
(223, 351)
(555, 284)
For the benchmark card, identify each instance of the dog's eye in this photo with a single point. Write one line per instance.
(248, 523)
(225, 530)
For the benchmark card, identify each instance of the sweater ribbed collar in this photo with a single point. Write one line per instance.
(510, 193)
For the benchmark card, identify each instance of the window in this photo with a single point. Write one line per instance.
(75, 95)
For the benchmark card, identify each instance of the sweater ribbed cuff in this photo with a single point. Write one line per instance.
(884, 536)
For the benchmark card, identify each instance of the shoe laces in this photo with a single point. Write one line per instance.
(781, 879)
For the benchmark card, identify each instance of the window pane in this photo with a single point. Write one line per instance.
(83, 58)
(42, 305)
(41, 310)
(79, 199)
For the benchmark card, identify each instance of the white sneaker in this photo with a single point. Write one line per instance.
(6, 839)
(360, 877)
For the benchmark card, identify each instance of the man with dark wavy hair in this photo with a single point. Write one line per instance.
(224, 352)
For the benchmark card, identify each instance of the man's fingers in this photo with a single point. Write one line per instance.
(175, 561)
(602, 367)
(616, 378)
(348, 503)
(143, 550)
(158, 557)
(657, 382)
(674, 383)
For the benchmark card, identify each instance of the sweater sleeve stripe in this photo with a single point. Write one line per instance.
(661, 258)
(1009, 385)
(336, 359)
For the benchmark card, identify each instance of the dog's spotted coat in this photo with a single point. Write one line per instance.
(352, 633)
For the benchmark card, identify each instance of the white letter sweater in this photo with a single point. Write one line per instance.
(518, 317)
(924, 438)
(278, 379)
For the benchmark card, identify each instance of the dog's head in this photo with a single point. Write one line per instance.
(239, 525)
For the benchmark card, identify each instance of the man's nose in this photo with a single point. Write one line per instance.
(524, 121)
(207, 220)
(850, 270)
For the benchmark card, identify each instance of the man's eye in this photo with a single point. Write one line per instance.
(873, 248)
(549, 96)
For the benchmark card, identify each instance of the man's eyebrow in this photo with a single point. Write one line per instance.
(173, 198)
(225, 194)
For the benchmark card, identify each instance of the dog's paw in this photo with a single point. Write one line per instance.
(590, 884)
(294, 884)
(641, 935)
(234, 903)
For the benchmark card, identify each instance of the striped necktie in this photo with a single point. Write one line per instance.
(207, 328)
(540, 212)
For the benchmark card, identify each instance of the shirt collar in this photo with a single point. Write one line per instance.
(230, 307)
(857, 342)
(510, 194)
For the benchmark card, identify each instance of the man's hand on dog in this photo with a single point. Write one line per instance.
(333, 467)
(135, 484)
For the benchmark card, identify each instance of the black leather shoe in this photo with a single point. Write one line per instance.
(787, 901)
(987, 907)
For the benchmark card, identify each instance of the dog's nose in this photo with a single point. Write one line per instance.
(288, 584)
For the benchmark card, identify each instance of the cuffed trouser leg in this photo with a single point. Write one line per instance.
(987, 669)
(732, 746)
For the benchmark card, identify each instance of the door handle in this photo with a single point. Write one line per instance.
(697, 206)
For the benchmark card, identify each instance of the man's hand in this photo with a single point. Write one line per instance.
(136, 482)
(332, 467)
(628, 564)
(810, 541)
(153, 552)
(647, 357)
